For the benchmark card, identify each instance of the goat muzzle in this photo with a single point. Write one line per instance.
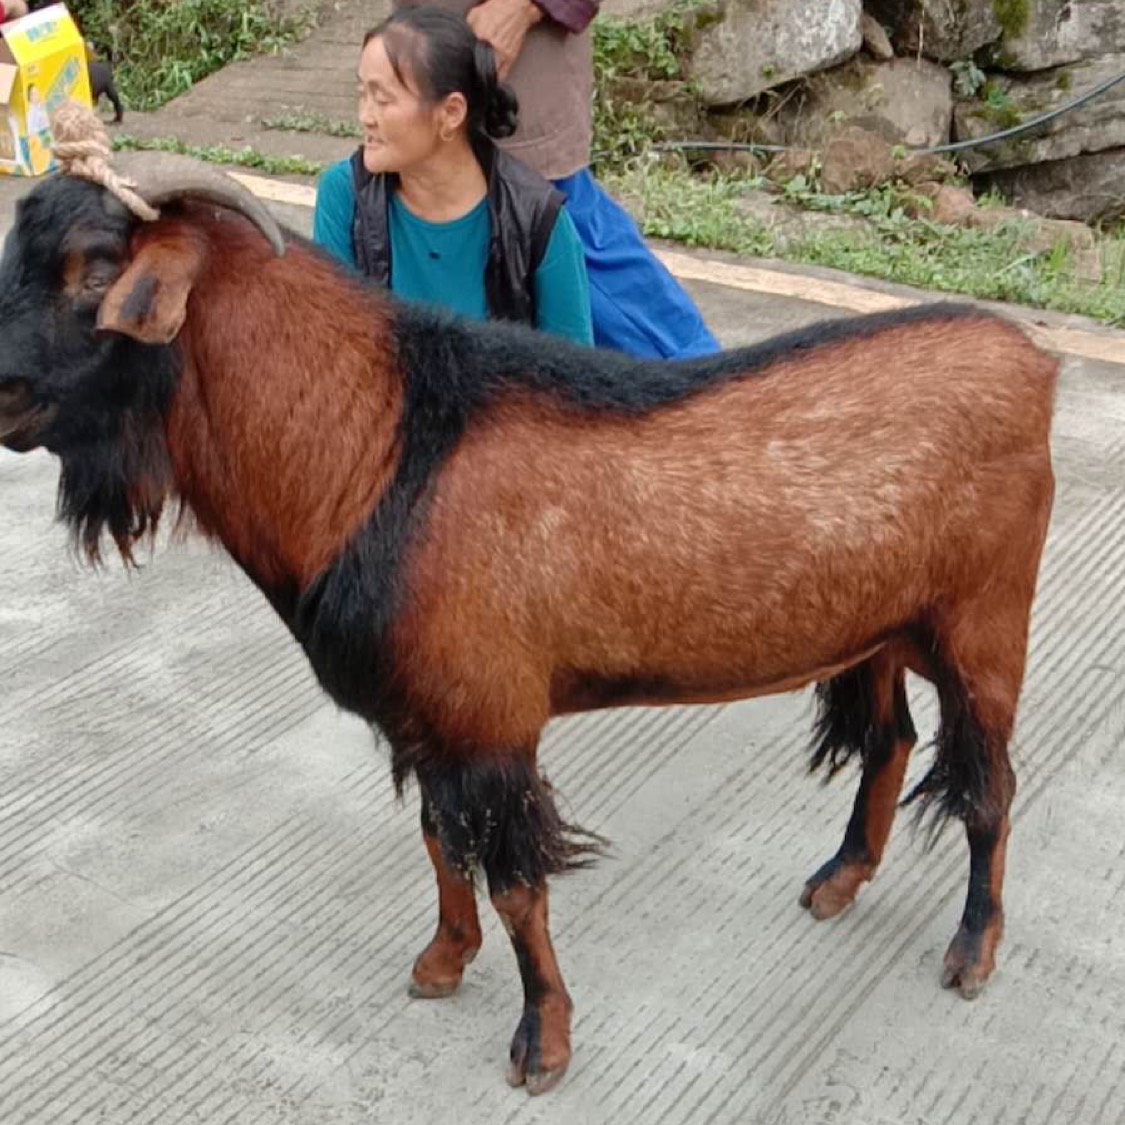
(21, 420)
(161, 177)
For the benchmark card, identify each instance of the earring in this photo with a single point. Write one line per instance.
(444, 136)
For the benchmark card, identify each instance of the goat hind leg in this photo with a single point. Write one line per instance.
(864, 711)
(973, 779)
(971, 957)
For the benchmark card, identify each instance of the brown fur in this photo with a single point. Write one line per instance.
(253, 384)
(438, 969)
(829, 506)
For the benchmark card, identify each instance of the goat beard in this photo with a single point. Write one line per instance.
(119, 483)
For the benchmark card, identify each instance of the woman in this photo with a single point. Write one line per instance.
(544, 50)
(429, 206)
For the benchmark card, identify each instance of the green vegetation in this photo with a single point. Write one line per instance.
(1013, 15)
(968, 78)
(642, 51)
(220, 154)
(314, 123)
(163, 47)
(999, 109)
(993, 264)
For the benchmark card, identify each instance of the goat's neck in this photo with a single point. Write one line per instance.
(284, 430)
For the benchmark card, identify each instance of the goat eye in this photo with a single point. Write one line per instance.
(99, 277)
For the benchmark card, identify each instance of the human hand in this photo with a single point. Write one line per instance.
(503, 24)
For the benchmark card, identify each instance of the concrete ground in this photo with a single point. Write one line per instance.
(241, 105)
(210, 900)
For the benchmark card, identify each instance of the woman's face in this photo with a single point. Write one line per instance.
(400, 129)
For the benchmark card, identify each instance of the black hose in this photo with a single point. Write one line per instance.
(933, 150)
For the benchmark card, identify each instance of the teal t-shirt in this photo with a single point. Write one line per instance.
(444, 263)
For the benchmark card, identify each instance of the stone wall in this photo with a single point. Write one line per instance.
(920, 73)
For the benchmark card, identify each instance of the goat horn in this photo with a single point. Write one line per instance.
(160, 177)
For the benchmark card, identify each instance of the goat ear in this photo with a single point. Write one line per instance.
(149, 300)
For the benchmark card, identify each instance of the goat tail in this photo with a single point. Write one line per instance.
(844, 719)
(960, 783)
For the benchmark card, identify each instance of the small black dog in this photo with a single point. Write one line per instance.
(101, 82)
(101, 72)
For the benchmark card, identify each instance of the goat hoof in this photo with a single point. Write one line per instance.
(432, 989)
(970, 960)
(540, 1052)
(832, 889)
(438, 970)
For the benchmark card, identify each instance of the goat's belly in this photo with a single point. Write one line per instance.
(590, 691)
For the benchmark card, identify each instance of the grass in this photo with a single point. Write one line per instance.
(314, 123)
(163, 47)
(992, 265)
(220, 154)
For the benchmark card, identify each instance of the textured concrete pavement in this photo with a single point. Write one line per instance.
(210, 900)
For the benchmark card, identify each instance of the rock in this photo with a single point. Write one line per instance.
(671, 105)
(952, 205)
(1043, 236)
(854, 160)
(1062, 31)
(747, 46)
(634, 9)
(789, 165)
(908, 101)
(790, 224)
(744, 126)
(945, 30)
(1076, 237)
(1082, 248)
(915, 169)
(1093, 127)
(736, 162)
(918, 203)
(875, 39)
(990, 217)
(1089, 188)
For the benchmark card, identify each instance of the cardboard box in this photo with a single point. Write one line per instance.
(42, 63)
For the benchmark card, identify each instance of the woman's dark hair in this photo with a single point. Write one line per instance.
(436, 53)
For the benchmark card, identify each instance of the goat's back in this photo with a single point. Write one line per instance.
(751, 532)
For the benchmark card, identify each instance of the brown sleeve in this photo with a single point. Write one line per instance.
(574, 15)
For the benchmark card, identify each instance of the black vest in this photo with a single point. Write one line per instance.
(522, 209)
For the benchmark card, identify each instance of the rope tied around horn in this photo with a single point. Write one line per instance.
(83, 150)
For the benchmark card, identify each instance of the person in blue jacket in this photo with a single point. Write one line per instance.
(429, 206)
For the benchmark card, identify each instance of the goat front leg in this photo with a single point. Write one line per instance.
(540, 1051)
(493, 810)
(439, 967)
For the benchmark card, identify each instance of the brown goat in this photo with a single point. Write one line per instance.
(471, 529)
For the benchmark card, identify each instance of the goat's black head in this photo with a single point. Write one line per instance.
(68, 246)
(86, 320)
